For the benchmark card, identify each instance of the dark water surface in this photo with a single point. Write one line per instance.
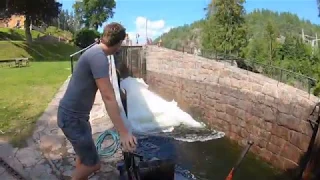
(210, 160)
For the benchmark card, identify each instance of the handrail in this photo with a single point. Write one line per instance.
(80, 51)
(224, 57)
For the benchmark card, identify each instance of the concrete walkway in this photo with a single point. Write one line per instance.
(49, 156)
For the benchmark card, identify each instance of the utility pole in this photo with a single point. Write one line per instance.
(146, 30)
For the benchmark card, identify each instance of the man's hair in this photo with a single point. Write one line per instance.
(113, 33)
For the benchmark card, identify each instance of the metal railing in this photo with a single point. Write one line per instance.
(292, 78)
(131, 56)
(79, 53)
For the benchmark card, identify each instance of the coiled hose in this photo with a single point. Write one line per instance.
(111, 149)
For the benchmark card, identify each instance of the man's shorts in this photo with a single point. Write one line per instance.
(77, 129)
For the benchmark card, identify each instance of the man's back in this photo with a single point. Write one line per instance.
(81, 91)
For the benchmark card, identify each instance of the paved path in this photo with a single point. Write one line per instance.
(49, 155)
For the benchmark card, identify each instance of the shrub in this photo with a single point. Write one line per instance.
(85, 37)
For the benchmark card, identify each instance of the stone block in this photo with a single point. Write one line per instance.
(244, 105)
(265, 154)
(241, 114)
(305, 128)
(222, 115)
(291, 152)
(269, 114)
(262, 143)
(258, 110)
(230, 110)
(277, 161)
(288, 121)
(257, 87)
(235, 129)
(220, 107)
(265, 134)
(270, 90)
(244, 133)
(277, 141)
(288, 164)
(273, 148)
(299, 140)
(281, 132)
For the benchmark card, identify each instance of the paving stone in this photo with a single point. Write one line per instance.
(53, 156)
(28, 156)
(40, 172)
(1, 170)
(68, 172)
(71, 151)
(51, 142)
(6, 176)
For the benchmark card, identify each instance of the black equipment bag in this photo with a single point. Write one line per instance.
(138, 169)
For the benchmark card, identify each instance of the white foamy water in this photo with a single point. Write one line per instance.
(199, 137)
(150, 113)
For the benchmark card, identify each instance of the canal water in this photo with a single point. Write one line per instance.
(199, 152)
(208, 160)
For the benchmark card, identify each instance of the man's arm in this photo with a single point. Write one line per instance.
(109, 99)
(100, 70)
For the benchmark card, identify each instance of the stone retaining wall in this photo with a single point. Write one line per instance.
(243, 104)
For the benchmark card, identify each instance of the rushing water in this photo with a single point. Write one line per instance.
(198, 152)
(208, 160)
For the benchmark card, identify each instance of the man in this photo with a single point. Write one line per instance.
(91, 74)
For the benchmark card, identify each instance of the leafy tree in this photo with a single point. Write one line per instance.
(225, 29)
(271, 35)
(92, 13)
(66, 21)
(35, 11)
(85, 37)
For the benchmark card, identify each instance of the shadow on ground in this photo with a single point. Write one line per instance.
(40, 51)
(11, 35)
(17, 136)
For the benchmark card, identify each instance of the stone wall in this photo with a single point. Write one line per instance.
(243, 104)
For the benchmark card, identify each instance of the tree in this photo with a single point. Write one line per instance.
(225, 29)
(35, 11)
(271, 35)
(85, 37)
(92, 13)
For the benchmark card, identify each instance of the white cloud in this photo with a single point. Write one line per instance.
(151, 28)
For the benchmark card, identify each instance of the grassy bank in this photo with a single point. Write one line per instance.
(19, 34)
(24, 95)
(36, 51)
(25, 92)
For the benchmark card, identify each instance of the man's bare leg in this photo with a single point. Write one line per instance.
(82, 172)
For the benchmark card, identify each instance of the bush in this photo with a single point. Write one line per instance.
(85, 37)
(316, 90)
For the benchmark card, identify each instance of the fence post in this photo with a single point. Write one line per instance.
(71, 63)
(280, 78)
(309, 87)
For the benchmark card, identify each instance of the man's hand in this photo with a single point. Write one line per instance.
(128, 142)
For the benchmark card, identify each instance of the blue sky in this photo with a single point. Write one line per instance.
(165, 14)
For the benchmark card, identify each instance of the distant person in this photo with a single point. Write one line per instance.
(91, 74)
(160, 43)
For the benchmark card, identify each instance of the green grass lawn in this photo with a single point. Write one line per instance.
(24, 95)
